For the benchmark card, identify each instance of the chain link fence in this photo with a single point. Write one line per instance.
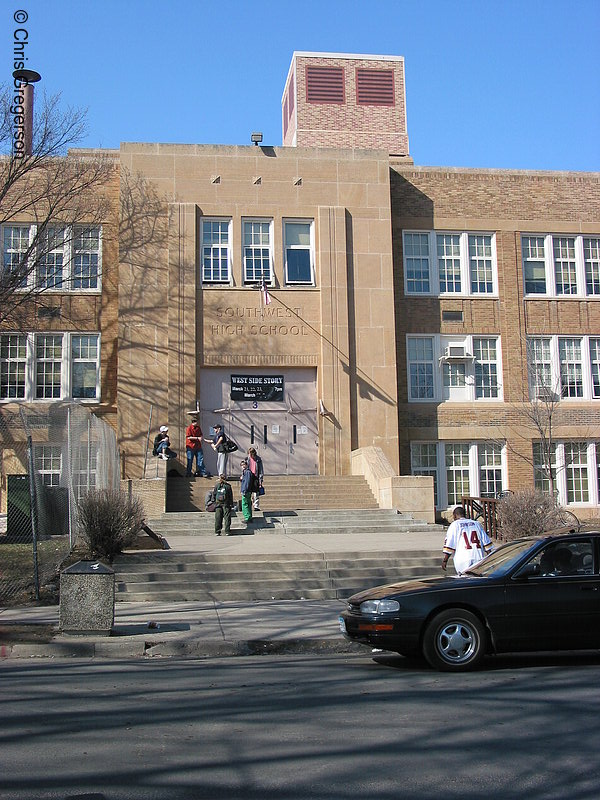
(50, 456)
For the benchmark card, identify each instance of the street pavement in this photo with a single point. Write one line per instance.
(196, 629)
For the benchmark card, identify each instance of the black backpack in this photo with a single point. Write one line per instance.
(230, 446)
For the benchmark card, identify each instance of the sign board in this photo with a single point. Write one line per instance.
(265, 388)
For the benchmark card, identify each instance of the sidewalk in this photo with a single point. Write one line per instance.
(197, 629)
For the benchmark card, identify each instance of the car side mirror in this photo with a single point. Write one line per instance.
(528, 571)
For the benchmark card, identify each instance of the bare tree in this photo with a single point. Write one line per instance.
(50, 200)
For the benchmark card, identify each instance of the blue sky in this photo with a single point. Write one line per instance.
(493, 83)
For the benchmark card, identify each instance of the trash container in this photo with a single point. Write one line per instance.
(87, 599)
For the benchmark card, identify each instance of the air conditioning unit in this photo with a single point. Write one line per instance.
(456, 352)
(544, 394)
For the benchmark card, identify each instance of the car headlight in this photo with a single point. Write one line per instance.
(379, 606)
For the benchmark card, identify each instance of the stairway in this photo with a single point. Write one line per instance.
(282, 493)
(196, 572)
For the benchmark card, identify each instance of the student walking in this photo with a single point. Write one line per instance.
(255, 465)
(223, 494)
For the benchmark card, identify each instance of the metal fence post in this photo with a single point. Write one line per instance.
(34, 517)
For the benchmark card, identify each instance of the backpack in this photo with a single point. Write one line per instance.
(209, 501)
(230, 446)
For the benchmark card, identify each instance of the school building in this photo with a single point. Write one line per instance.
(329, 296)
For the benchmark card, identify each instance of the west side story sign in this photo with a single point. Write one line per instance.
(257, 387)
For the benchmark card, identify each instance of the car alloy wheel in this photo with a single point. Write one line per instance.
(454, 640)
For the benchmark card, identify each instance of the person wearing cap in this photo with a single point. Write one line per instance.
(162, 444)
(223, 494)
(193, 449)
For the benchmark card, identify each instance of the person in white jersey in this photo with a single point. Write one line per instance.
(466, 540)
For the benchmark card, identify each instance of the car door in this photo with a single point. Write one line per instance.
(553, 602)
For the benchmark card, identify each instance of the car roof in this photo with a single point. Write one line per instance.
(562, 533)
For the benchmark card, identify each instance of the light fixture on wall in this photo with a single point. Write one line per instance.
(322, 410)
(256, 138)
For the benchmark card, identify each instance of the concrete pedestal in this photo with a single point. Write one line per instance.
(87, 599)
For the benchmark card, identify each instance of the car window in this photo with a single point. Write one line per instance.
(564, 558)
(502, 559)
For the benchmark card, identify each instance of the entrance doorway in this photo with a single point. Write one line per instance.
(285, 431)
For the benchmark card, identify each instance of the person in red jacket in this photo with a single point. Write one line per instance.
(193, 449)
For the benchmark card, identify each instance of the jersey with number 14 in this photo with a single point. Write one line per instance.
(467, 541)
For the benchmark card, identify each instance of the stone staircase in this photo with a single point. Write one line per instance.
(282, 493)
(189, 574)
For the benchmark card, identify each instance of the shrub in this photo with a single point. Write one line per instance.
(109, 521)
(525, 513)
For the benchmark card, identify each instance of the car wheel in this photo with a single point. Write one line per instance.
(454, 640)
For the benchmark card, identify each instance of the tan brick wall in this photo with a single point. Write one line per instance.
(349, 125)
(506, 203)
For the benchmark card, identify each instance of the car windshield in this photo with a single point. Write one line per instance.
(501, 560)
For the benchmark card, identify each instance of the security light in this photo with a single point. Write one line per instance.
(256, 138)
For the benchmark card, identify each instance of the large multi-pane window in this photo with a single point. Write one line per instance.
(62, 258)
(13, 366)
(424, 462)
(566, 367)
(49, 366)
(561, 266)
(591, 256)
(48, 462)
(466, 263)
(15, 246)
(486, 367)
(460, 469)
(571, 367)
(257, 250)
(297, 236)
(216, 250)
(86, 257)
(576, 470)
(420, 368)
(448, 254)
(480, 264)
(443, 368)
(416, 263)
(457, 472)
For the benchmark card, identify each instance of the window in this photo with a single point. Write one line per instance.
(448, 252)
(490, 469)
(13, 365)
(443, 368)
(48, 462)
(571, 372)
(298, 252)
(15, 244)
(591, 254)
(423, 457)
(57, 258)
(595, 366)
(84, 469)
(460, 469)
(457, 472)
(561, 266)
(86, 257)
(416, 263)
(466, 263)
(420, 358)
(257, 251)
(49, 366)
(534, 264)
(215, 250)
(84, 364)
(480, 263)
(566, 367)
(486, 367)
(576, 469)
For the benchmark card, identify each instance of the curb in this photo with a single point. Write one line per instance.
(127, 649)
